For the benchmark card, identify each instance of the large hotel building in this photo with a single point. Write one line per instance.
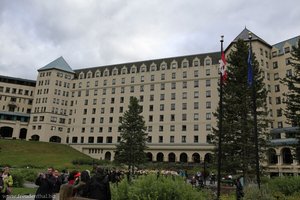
(82, 107)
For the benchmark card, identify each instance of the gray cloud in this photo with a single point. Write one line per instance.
(91, 33)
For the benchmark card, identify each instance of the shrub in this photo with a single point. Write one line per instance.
(164, 188)
(252, 192)
(18, 180)
(285, 185)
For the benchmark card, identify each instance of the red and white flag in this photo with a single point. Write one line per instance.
(223, 66)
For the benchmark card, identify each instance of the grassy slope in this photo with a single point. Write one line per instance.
(19, 153)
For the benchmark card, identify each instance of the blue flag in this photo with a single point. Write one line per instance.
(250, 69)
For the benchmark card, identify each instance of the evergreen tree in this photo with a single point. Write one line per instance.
(238, 147)
(292, 111)
(132, 145)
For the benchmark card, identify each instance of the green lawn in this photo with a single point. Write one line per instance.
(20, 153)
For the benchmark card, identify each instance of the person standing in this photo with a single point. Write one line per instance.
(239, 189)
(81, 188)
(46, 183)
(7, 183)
(99, 187)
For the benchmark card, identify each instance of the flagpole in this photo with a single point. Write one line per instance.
(220, 127)
(254, 117)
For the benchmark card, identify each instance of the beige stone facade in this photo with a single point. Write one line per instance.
(83, 107)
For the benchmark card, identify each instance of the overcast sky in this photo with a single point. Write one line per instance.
(90, 33)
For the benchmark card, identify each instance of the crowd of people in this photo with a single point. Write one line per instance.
(96, 184)
(75, 185)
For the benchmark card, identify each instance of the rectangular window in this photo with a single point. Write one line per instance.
(207, 72)
(150, 118)
(184, 117)
(172, 117)
(173, 75)
(160, 139)
(149, 139)
(172, 106)
(196, 127)
(277, 88)
(276, 76)
(196, 84)
(275, 65)
(184, 106)
(208, 104)
(161, 118)
(208, 93)
(208, 116)
(152, 77)
(207, 83)
(152, 87)
(183, 139)
(172, 139)
(196, 105)
(196, 138)
(184, 84)
(196, 73)
(173, 96)
(161, 107)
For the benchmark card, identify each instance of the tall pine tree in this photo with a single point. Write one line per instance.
(132, 145)
(238, 147)
(292, 111)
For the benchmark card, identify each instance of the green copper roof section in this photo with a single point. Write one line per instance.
(59, 64)
(280, 46)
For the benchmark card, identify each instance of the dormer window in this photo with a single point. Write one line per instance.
(89, 74)
(106, 72)
(143, 68)
(163, 66)
(184, 64)
(174, 65)
(81, 75)
(97, 74)
(115, 71)
(196, 63)
(133, 69)
(207, 61)
(153, 68)
(124, 70)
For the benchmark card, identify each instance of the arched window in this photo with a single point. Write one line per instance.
(183, 157)
(160, 157)
(172, 157)
(272, 157)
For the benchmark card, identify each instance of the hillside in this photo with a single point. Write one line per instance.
(19, 153)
